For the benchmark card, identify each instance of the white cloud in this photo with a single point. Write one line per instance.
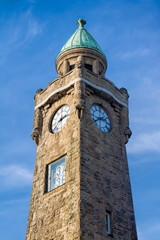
(15, 175)
(149, 231)
(17, 146)
(33, 26)
(148, 88)
(19, 31)
(145, 142)
(32, 1)
(148, 121)
(145, 115)
(34, 29)
(139, 52)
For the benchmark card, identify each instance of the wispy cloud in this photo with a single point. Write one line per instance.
(145, 142)
(15, 175)
(149, 227)
(148, 87)
(32, 1)
(139, 52)
(149, 231)
(33, 26)
(145, 115)
(19, 31)
(17, 146)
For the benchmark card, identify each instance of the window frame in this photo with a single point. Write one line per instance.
(50, 174)
(108, 223)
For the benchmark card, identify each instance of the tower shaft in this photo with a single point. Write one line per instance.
(81, 186)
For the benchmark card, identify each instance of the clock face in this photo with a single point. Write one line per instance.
(60, 118)
(100, 117)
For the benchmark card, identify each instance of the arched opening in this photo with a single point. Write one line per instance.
(89, 67)
(71, 67)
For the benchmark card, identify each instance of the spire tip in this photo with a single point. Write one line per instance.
(81, 22)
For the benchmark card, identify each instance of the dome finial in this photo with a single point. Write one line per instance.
(81, 22)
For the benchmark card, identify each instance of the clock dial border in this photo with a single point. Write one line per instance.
(59, 119)
(100, 117)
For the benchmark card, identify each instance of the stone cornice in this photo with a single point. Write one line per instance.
(88, 83)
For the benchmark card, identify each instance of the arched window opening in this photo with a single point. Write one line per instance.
(71, 67)
(88, 66)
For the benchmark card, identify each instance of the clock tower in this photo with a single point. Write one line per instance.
(81, 186)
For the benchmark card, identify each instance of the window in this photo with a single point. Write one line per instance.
(56, 174)
(88, 66)
(108, 222)
(71, 67)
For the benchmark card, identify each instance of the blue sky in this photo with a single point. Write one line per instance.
(32, 33)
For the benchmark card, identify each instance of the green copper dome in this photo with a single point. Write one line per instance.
(81, 39)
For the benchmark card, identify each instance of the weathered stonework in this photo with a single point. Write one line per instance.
(97, 177)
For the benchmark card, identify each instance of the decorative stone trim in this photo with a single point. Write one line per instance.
(87, 82)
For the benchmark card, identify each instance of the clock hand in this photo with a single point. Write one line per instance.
(59, 121)
(55, 128)
(103, 119)
(62, 118)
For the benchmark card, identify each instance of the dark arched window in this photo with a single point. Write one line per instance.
(71, 67)
(88, 66)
